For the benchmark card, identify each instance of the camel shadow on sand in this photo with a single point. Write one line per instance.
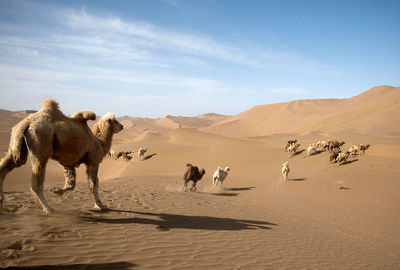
(94, 266)
(166, 222)
(348, 162)
(317, 152)
(298, 152)
(297, 179)
(149, 156)
(226, 194)
(239, 189)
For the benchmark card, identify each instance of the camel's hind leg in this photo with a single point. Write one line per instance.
(7, 164)
(185, 188)
(91, 172)
(214, 181)
(70, 181)
(37, 182)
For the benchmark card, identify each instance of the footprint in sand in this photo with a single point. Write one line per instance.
(17, 249)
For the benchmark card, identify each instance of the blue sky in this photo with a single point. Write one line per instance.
(153, 58)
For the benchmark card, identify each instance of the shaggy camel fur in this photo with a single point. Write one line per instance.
(311, 149)
(47, 134)
(335, 144)
(364, 147)
(342, 157)
(113, 154)
(125, 155)
(285, 170)
(141, 152)
(334, 155)
(354, 150)
(192, 174)
(289, 143)
(220, 175)
(292, 149)
(322, 144)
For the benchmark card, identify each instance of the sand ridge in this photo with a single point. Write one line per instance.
(370, 113)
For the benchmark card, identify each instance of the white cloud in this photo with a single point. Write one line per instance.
(144, 35)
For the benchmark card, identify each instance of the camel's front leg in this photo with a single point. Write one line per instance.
(70, 181)
(185, 186)
(91, 172)
(193, 188)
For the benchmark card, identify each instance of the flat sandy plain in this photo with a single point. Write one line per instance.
(255, 221)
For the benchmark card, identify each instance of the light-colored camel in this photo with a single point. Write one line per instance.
(285, 170)
(220, 175)
(47, 134)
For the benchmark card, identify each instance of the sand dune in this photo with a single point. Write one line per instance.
(325, 217)
(138, 126)
(371, 113)
(9, 118)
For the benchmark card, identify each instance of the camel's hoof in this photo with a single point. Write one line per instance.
(58, 191)
(48, 210)
(100, 207)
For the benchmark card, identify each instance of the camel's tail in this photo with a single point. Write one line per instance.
(18, 148)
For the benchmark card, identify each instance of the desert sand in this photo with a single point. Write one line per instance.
(325, 216)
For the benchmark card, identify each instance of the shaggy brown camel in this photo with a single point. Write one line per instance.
(192, 174)
(47, 134)
(334, 154)
(364, 147)
(335, 144)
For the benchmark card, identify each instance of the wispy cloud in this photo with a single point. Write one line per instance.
(80, 52)
(144, 36)
(110, 36)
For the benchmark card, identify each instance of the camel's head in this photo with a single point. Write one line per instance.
(286, 163)
(202, 171)
(227, 169)
(111, 123)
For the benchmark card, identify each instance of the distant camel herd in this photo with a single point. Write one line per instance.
(49, 134)
(126, 155)
(333, 146)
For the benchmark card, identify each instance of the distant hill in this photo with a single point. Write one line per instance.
(8, 119)
(144, 126)
(375, 112)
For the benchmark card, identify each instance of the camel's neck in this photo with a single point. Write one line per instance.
(105, 141)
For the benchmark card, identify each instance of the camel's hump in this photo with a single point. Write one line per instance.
(49, 104)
